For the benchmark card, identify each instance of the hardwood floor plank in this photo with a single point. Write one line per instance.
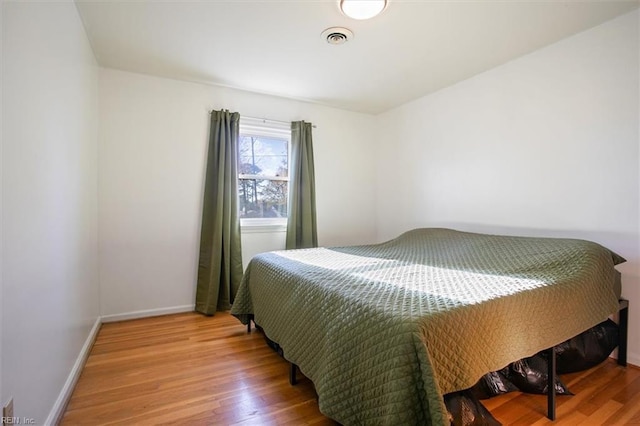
(630, 390)
(605, 411)
(189, 369)
(626, 414)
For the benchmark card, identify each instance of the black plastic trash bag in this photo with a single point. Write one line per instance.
(587, 349)
(492, 384)
(530, 376)
(465, 410)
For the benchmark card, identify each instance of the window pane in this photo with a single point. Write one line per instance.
(263, 156)
(263, 198)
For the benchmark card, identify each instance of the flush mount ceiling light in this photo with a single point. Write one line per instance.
(362, 9)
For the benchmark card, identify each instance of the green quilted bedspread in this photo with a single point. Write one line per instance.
(385, 330)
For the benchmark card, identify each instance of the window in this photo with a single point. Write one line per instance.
(263, 173)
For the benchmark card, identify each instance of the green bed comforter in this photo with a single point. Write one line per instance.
(384, 331)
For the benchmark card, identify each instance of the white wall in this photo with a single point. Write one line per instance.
(153, 141)
(544, 145)
(49, 201)
(260, 240)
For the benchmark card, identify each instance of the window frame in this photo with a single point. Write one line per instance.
(265, 128)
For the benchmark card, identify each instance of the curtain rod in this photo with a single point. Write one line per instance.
(264, 120)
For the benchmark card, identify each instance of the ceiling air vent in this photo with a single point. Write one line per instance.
(337, 35)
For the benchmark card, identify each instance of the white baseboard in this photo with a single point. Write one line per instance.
(56, 413)
(148, 313)
(55, 416)
(633, 359)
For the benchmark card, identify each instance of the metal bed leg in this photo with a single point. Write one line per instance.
(551, 384)
(292, 374)
(249, 323)
(623, 328)
(623, 325)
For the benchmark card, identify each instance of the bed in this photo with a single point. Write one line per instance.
(384, 331)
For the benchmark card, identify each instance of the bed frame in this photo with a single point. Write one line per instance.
(623, 324)
(623, 329)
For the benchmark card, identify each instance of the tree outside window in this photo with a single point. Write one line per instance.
(263, 176)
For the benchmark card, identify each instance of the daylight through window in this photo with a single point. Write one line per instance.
(263, 172)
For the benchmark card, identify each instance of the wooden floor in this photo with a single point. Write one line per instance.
(192, 369)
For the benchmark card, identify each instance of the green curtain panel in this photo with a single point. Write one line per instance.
(220, 265)
(301, 225)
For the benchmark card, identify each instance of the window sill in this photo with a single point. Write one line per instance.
(258, 226)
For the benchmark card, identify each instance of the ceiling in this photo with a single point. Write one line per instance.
(413, 48)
